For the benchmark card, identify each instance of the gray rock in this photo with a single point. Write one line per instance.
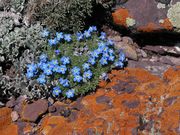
(128, 49)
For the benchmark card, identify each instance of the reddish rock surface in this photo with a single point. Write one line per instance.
(147, 15)
(6, 126)
(134, 102)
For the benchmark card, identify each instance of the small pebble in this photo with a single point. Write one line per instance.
(14, 116)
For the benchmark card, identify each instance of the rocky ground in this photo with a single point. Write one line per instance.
(133, 102)
(141, 99)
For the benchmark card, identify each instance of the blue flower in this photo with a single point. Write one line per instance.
(75, 70)
(67, 37)
(62, 69)
(103, 36)
(32, 67)
(56, 69)
(43, 57)
(122, 57)
(110, 42)
(105, 49)
(52, 42)
(87, 34)
(101, 45)
(77, 78)
(87, 74)
(103, 61)
(111, 51)
(86, 66)
(43, 66)
(45, 33)
(48, 71)
(54, 63)
(59, 36)
(92, 61)
(70, 93)
(64, 82)
(56, 91)
(51, 64)
(65, 60)
(29, 74)
(92, 28)
(42, 79)
(111, 58)
(57, 52)
(105, 55)
(79, 36)
(119, 64)
(95, 53)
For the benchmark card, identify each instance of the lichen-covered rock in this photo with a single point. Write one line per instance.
(5, 117)
(148, 16)
(143, 104)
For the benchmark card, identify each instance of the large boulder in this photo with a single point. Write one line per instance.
(148, 15)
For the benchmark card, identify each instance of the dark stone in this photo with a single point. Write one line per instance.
(11, 103)
(156, 49)
(131, 104)
(178, 130)
(134, 131)
(103, 99)
(151, 85)
(149, 125)
(164, 1)
(155, 67)
(73, 116)
(19, 104)
(66, 113)
(163, 49)
(149, 9)
(33, 111)
(78, 105)
(132, 79)
(51, 109)
(123, 87)
(170, 100)
(62, 110)
(91, 131)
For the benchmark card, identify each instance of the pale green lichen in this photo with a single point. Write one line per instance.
(174, 15)
(161, 6)
(130, 22)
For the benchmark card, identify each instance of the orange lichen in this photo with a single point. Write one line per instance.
(150, 27)
(150, 100)
(6, 125)
(5, 117)
(166, 24)
(120, 16)
(11, 129)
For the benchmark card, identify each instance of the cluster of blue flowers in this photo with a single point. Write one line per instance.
(60, 36)
(104, 55)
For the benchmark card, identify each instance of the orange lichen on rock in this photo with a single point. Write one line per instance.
(120, 16)
(11, 129)
(6, 125)
(150, 27)
(137, 103)
(5, 117)
(166, 24)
